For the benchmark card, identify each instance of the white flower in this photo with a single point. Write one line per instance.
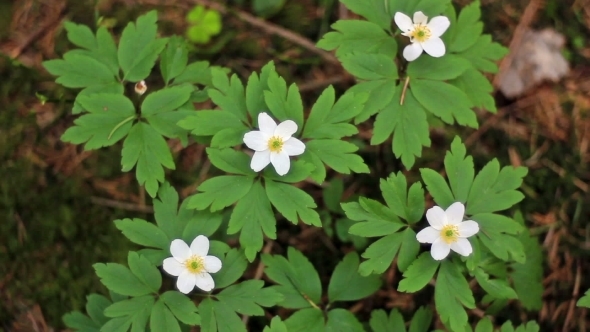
(273, 144)
(192, 265)
(448, 231)
(423, 35)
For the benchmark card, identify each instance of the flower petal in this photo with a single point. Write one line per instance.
(420, 18)
(186, 282)
(438, 25)
(412, 51)
(212, 264)
(200, 246)
(266, 124)
(427, 235)
(256, 140)
(259, 160)
(286, 129)
(434, 47)
(455, 213)
(462, 247)
(172, 266)
(403, 21)
(436, 217)
(180, 250)
(293, 147)
(468, 228)
(204, 281)
(440, 249)
(281, 162)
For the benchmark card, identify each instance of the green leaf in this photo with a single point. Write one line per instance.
(248, 297)
(380, 254)
(255, 90)
(231, 161)
(409, 249)
(234, 264)
(375, 11)
(145, 271)
(380, 95)
(379, 219)
(197, 72)
(139, 48)
(355, 35)
(418, 274)
(161, 111)
(477, 87)
(380, 322)
(421, 320)
(338, 155)
(326, 118)
(203, 24)
(293, 203)
(209, 123)
(306, 320)
(276, 325)
(408, 205)
(162, 319)
(347, 285)
(119, 279)
(299, 171)
(484, 54)
(79, 70)
(133, 312)
(218, 317)
(444, 101)
(527, 277)
(439, 69)
(497, 288)
(370, 66)
(95, 306)
(220, 192)
(228, 94)
(143, 233)
(109, 88)
(148, 150)
(174, 58)
(467, 29)
(283, 103)
(408, 124)
(109, 119)
(298, 280)
(80, 322)
(451, 293)
(459, 170)
(169, 219)
(343, 320)
(484, 325)
(437, 187)
(181, 307)
(584, 301)
(80, 35)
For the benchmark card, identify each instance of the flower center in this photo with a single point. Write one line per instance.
(194, 264)
(449, 233)
(421, 33)
(275, 144)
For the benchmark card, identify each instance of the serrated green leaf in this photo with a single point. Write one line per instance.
(283, 103)
(437, 187)
(130, 307)
(203, 24)
(497, 288)
(95, 305)
(380, 322)
(168, 218)
(79, 70)
(293, 203)
(444, 101)
(133, 313)
(299, 171)
(234, 264)
(354, 35)
(380, 95)
(209, 123)
(421, 320)
(418, 274)
(220, 192)
(376, 11)
(484, 325)
(347, 285)
(467, 29)
(439, 69)
(380, 254)
(370, 66)
(109, 120)
(253, 216)
(80, 322)
(145, 271)
(478, 88)
(143, 233)
(148, 150)
(527, 277)
(408, 205)
(218, 317)
(197, 72)
(228, 94)
(306, 320)
(459, 170)
(162, 319)
(109, 88)
(118, 278)
(174, 58)
(484, 53)
(584, 301)
(338, 155)
(451, 293)
(298, 280)
(231, 161)
(343, 320)
(276, 325)
(165, 100)
(182, 307)
(248, 297)
(255, 90)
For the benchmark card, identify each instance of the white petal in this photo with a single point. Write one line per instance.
(180, 250)
(455, 213)
(281, 162)
(186, 282)
(440, 249)
(172, 266)
(434, 47)
(205, 282)
(420, 18)
(403, 21)
(286, 129)
(293, 147)
(256, 140)
(436, 217)
(428, 235)
(259, 160)
(266, 124)
(468, 228)
(462, 247)
(438, 25)
(412, 51)
(200, 246)
(212, 264)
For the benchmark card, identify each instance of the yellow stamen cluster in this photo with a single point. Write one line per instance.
(275, 144)
(195, 264)
(449, 233)
(421, 33)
